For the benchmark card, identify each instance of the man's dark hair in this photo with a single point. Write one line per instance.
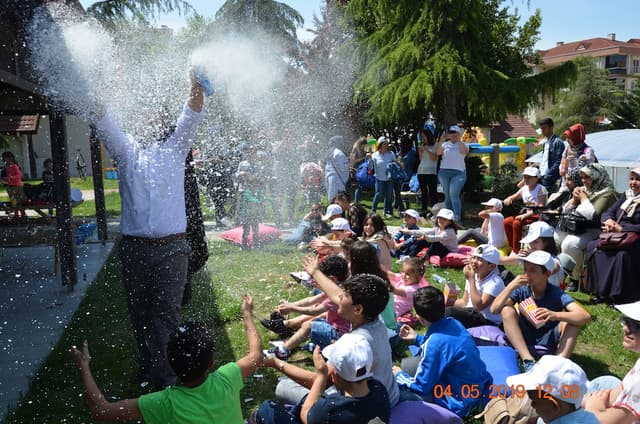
(190, 350)
(370, 291)
(429, 303)
(547, 121)
(342, 196)
(335, 266)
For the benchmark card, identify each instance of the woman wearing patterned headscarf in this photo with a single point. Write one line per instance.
(589, 202)
(612, 275)
(577, 153)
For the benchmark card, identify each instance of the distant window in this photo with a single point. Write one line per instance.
(616, 61)
(636, 66)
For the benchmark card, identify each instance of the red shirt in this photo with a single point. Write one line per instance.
(14, 175)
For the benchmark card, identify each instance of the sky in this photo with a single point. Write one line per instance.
(562, 20)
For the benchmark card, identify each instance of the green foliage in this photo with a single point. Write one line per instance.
(505, 184)
(590, 98)
(271, 17)
(113, 12)
(627, 112)
(461, 60)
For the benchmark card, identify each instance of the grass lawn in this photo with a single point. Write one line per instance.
(56, 393)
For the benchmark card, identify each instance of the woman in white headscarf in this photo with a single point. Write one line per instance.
(587, 203)
(613, 274)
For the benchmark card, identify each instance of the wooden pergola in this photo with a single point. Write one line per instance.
(20, 97)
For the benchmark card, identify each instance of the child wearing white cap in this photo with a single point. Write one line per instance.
(622, 404)
(556, 387)
(532, 193)
(347, 364)
(560, 317)
(492, 229)
(442, 238)
(540, 236)
(407, 241)
(483, 285)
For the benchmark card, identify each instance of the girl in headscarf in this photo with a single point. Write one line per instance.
(589, 202)
(577, 153)
(612, 274)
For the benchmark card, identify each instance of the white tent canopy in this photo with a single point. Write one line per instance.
(619, 152)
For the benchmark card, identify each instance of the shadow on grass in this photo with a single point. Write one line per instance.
(56, 393)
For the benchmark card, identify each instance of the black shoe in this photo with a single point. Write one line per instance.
(277, 326)
(572, 286)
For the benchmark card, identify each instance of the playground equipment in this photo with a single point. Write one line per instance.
(522, 142)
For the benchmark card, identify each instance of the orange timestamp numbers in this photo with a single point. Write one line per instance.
(502, 391)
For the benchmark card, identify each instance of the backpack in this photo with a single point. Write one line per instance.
(364, 178)
(396, 173)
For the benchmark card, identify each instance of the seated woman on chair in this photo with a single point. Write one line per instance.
(612, 273)
(587, 203)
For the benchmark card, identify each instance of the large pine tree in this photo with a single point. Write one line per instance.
(463, 60)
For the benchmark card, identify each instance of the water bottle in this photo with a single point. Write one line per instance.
(203, 80)
(439, 279)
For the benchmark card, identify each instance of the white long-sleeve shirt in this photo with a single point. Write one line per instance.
(151, 176)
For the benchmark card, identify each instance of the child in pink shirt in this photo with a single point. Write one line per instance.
(405, 285)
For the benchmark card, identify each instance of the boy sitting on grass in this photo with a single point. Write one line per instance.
(358, 397)
(201, 396)
(360, 300)
(557, 315)
(319, 317)
(449, 359)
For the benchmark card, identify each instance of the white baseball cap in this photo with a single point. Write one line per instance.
(487, 252)
(412, 213)
(536, 230)
(560, 375)
(382, 139)
(540, 257)
(455, 128)
(446, 214)
(532, 171)
(493, 202)
(340, 224)
(351, 356)
(632, 310)
(332, 210)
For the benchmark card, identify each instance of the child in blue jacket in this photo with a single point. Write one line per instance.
(449, 370)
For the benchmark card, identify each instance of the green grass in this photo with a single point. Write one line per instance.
(55, 393)
(88, 207)
(102, 319)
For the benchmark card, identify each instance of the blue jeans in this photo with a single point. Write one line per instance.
(452, 182)
(383, 189)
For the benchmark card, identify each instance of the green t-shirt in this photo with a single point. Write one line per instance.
(389, 314)
(217, 400)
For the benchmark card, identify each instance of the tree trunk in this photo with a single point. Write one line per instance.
(449, 108)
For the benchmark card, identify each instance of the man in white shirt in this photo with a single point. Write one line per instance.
(154, 251)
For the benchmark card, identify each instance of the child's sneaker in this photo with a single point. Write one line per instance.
(281, 352)
(309, 346)
(277, 326)
(527, 364)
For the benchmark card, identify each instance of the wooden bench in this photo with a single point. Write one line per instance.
(30, 232)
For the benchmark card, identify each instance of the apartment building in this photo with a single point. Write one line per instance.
(621, 59)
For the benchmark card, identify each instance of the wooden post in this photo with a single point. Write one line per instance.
(98, 184)
(495, 159)
(66, 239)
